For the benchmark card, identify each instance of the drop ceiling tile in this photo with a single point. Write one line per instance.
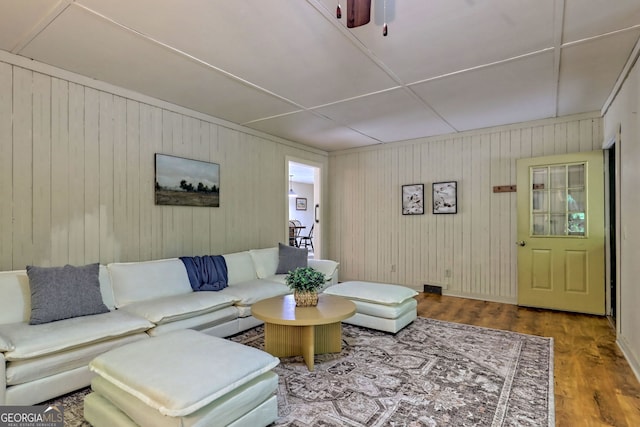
(432, 38)
(586, 75)
(19, 18)
(589, 18)
(284, 46)
(309, 129)
(84, 43)
(388, 116)
(511, 92)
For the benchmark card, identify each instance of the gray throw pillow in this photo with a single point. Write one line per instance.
(63, 292)
(290, 258)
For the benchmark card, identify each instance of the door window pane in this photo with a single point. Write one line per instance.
(540, 201)
(558, 200)
(575, 201)
(540, 225)
(576, 176)
(558, 225)
(539, 178)
(558, 176)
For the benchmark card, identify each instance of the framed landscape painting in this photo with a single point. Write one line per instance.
(413, 199)
(445, 197)
(186, 182)
(301, 203)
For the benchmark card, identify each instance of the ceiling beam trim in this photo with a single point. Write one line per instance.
(558, 27)
(602, 36)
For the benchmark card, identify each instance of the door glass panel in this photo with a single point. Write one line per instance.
(540, 201)
(575, 201)
(576, 176)
(557, 226)
(540, 225)
(539, 178)
(558, 200)
(576, 224)
(558, 176)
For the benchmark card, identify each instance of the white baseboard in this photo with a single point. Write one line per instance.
(629, 355)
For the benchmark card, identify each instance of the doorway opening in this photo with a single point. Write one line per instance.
(304, 206)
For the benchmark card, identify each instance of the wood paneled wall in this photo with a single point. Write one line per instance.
(471, 253)
(77, 176)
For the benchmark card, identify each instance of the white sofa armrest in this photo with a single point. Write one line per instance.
(328, 267)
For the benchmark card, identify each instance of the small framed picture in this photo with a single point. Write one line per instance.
(445, 197)
(301, 203)
(413, 199)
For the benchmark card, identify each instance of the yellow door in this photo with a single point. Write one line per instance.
(561, 232)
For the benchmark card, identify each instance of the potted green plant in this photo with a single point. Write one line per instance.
(305, 283)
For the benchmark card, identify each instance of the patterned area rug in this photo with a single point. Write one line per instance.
(432, 373)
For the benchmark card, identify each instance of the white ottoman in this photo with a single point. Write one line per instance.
(379, 306)
(183, 378)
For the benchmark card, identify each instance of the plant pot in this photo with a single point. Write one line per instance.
(306, 299)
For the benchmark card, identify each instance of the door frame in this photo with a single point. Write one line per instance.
(613, 252)
(318, 197)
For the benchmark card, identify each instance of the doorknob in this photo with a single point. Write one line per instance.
(521, 243)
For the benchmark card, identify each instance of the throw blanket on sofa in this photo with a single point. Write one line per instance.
(206, 273)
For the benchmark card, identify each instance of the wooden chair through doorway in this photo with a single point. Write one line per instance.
(308, 239)
(294, 232)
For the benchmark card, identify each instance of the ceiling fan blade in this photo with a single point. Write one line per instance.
(358, 12)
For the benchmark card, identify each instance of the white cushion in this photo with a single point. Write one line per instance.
(199, 323)
(22, 371)
(326, 266)
(139, 281)
(265, 261)
(255, 290)
(221, 412)
(384, 310)
(380, 293)
(278, 278)
(5, 344)
(380, 323)
(162, 374)
(177, 307)
(105, 287)
(15, 304)
(37, 340)
(240, 267)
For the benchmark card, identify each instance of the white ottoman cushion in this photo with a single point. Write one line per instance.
(386, 311)
(180, 372)
(378, 293)
(220, 412)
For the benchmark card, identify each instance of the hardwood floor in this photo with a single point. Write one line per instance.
(594, 385)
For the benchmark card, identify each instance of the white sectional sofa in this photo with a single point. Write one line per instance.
(144, 299)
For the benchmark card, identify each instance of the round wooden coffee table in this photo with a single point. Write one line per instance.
(303, 331)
